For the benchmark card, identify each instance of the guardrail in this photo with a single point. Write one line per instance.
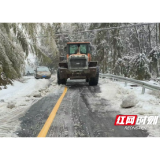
(134, 81)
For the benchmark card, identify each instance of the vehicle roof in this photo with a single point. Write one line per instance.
(76, 42)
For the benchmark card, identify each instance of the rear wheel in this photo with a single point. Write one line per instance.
(58, 78)
(94, 80)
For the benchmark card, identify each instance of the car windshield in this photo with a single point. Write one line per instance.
(73, 49)
(43, 69)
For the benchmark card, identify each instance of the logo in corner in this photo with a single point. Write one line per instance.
(125, 120)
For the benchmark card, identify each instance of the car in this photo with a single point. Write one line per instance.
(42, 72)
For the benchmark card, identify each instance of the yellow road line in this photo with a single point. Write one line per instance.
(50, 119)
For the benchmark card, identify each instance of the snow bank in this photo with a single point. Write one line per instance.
(28, 87)
(17, 99)
(149, 103)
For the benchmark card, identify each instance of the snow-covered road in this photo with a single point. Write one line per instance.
(81, 114)
(24, 94)
(148, 105)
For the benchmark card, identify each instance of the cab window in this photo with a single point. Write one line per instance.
(83, 48)
(73, 48)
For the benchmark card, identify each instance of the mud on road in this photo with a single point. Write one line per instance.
(82, 113)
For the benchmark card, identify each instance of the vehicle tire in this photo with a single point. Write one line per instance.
(63, 81)
(94, 80)
(58, 78)
(60, 81)
(87, 80)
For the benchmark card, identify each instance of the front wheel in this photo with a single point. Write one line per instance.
(60, 81)
(94, 80)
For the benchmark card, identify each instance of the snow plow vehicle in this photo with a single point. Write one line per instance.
(78, 64)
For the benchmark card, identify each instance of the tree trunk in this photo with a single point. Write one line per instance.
(156, 34)
(137, 37)
(149, 36)
(159, 32)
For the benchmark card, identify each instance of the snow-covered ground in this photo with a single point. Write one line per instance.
(149, 103)
(21, 96)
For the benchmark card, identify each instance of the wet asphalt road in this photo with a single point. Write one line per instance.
(82, 113)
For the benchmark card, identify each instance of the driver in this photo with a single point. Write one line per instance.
(78, 49)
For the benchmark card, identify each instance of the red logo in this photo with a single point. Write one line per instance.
(126, 120)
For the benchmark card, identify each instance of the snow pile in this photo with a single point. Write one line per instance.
(17, 99)
(155, 93)
(148, 104)
(153, 82)
(129, 101)
(28, 86)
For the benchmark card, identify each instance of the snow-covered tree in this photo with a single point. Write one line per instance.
(17, 40)
(127, 41)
